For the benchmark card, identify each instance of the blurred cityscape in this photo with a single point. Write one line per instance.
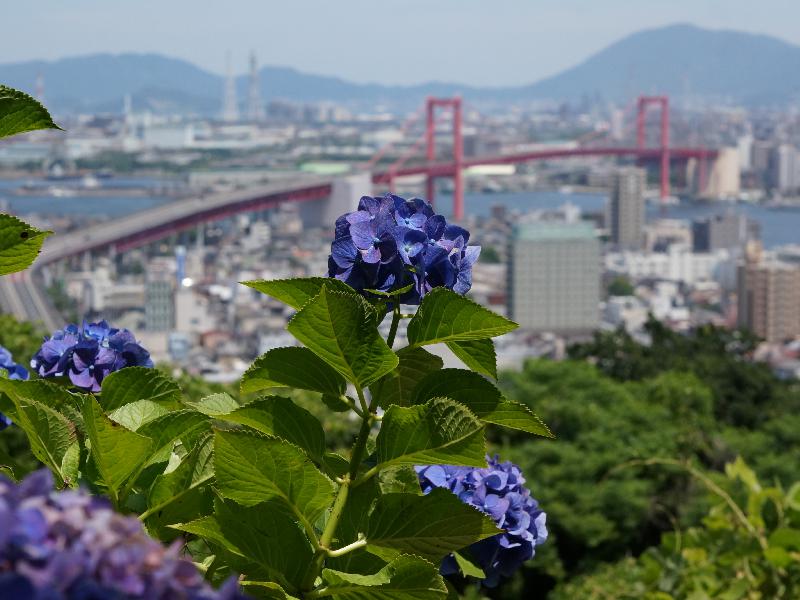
(591, 214)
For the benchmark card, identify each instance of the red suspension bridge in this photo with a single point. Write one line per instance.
(454, 168)
(23, 297)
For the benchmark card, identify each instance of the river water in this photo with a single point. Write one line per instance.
(778, 226)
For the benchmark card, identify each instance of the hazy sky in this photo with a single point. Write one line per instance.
(389, 41)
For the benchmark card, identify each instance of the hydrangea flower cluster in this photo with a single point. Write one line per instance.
(87, 354)
(499, 491)
(14, 371)
(390, 243)
(70, 545)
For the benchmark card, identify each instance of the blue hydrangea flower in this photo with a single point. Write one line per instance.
(14, 371)
(87, 354)
(390, 243)
(499, 491)
(72, 546)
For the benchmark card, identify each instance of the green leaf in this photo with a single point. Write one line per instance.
(468, 567)
(482, 398)
(397, 386)
(215, 405)
(139, 383)
(50, 434)
(282, 418)
(292, 367)
(117, 452)
(340, 329)
(167, 429)
(402, 479)
(251, 469)
(405, 578)
(20, 243)
(264, 534)
(478, 355)
(442, 431)
(136, 414)
(20, 113)
(444, 316)
(182, 494)
(431, 526)
(296, 292)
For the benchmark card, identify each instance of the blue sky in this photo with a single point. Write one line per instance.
(482, 42)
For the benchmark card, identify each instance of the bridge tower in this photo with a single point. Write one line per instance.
(662, 102)
(431, 104)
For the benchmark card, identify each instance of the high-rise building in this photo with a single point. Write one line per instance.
(769, 299)
(726, 231)
(255, 107)
(230, 105)
(627, 208)
(554, 276)
(724, 180)
(159, 307)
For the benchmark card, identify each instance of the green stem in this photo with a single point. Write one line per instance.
(323, 550)
(359, 543)
(395, 322)
(363, 435)
(315, 568)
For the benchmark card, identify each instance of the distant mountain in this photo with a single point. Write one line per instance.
(680, 60)
(683, 60)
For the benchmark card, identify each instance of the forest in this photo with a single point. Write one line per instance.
(673, 473)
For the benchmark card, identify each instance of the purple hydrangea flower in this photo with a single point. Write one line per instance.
(88, 354)
(499, 491)
(390, 243)
(70, 545)
(14, 371)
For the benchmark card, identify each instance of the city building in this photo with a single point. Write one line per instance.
(726, 231)
(554, 277)
(627, 208)
(769, 299)
(724, 179)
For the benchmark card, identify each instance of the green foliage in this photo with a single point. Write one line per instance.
(620, 286)
(19, 242)
(747, 546)
(20, 113)
(252, 479)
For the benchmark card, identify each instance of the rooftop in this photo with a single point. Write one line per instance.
(554, 230)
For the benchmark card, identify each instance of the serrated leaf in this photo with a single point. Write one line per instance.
(183, 493)
(478, 355)
(264, 534)
(52, 395)
(20, 113)
(296, 292)
(339, 329)
(468, 567)
(136, 414)
(444, 316)
(251, 469)
(292, 367)
(431, 526)
(282, 418)
(139, 383)
(20, 243)
(397, 386)
(405, 578)
(167, 429)
(482, 398)
(117, 452)
(51, 436)
(396, 480)
(442, 431)
(214, 405)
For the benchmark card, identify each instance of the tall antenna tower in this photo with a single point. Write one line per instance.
(255, 108)
(230, 104)
(40, 87)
